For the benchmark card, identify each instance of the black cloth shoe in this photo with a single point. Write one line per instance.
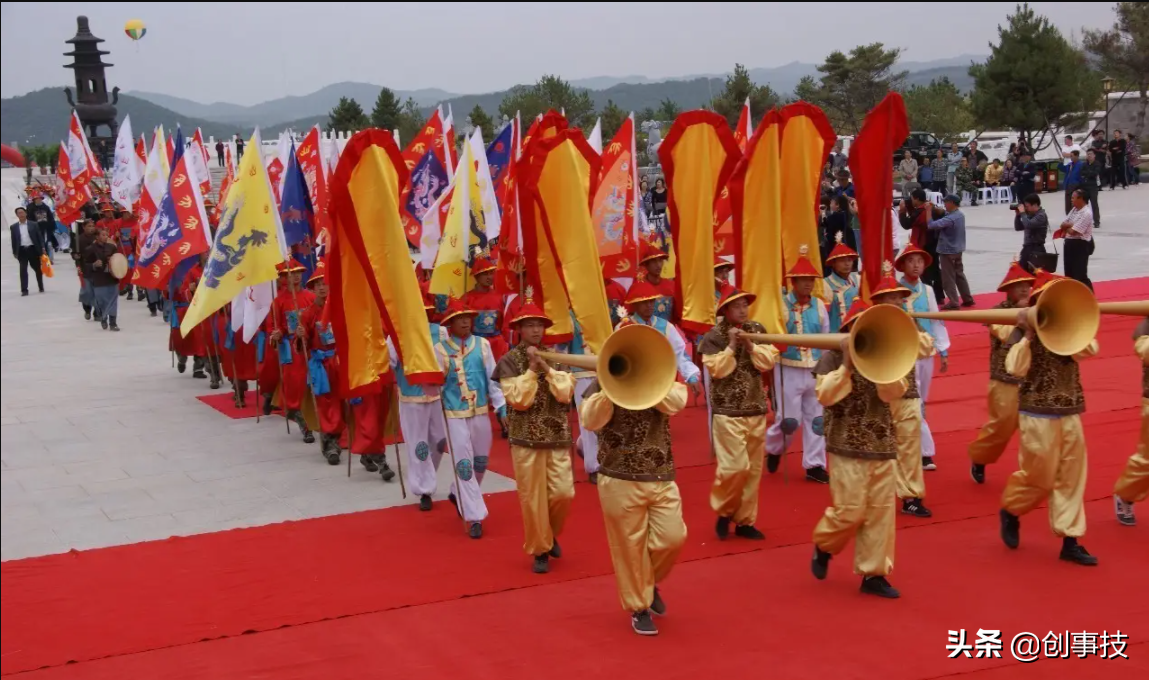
(103, 322)
(968, 303)
(749, 531)
(593, 478)
(308, 437)
(152, 311)
(199, 374)
(977, 472)
(425, 503)
(87, 314)
(915, 507)
(820, 565)
(23, 293)
(267, 406)
(368, 463)
(112, 324)
(773, 460)
(1072, 551)
(385, 470)
(214, 383)
(818, 474)
(928, 464)
(130, 297)
(642, 624)
(542, 564)
(1010, 529)
(657, 606)
(476, 530)
(556, 550)
(722, 528)
(878, 585)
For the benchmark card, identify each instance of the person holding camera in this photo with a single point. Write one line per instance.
(1032, 220)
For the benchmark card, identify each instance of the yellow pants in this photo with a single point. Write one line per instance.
(1133, 485)
(739, 446)
(863, 495)
(907, 415)
(1002, 423)
(546, 489)
(1053, 463)
(645, 531)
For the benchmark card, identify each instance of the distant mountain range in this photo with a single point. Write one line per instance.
(41, 117)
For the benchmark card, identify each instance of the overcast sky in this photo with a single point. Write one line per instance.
(246, 53)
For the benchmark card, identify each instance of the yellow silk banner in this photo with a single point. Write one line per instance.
(376, 289)
(698, 156)
(806, 140)
(756, 207)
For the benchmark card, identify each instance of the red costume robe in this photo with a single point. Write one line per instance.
(321, 345)
(127, 235)
(286, 316)
(375, 425)
(195, 344)
(237, 358)
(489, 322)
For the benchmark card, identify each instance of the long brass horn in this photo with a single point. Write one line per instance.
(1132, 308)
(636, 368)
(883, 343)
(1065, 318)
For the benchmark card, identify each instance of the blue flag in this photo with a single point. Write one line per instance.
(428, 182)
(295, 208)
(499, 154)
(178, 146)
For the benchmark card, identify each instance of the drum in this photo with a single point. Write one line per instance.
(118, 265)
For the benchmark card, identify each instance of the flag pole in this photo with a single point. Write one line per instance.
(454, 466)
(279, 364)
(307, 360)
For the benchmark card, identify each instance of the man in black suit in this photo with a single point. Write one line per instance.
(27, 246)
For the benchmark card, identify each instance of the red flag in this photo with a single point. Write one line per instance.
(311, 163)
(614, 205)
(274, 174)
(883, 131)
(429, 138)
(142, 149)
(75, 194)
(723, 223)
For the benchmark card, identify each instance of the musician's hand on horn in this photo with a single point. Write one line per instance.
(536, 362)
(733, 336)
(1023, 322)
(847, 355)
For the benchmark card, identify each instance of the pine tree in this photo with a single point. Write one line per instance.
(550, 92)
(939, 108)
(481, 120)
(612, 118)
(851, 85)
(347, 116)
(387, 112)
(1123, 52)
(739, 88)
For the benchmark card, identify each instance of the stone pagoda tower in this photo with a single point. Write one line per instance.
(92, 104)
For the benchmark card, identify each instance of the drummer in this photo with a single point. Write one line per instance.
(105, 286)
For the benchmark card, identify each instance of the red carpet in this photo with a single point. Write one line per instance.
(382, 593)
(223, 400)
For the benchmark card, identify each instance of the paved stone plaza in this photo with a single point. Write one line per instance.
(104, 444)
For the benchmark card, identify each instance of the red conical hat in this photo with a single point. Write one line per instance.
(651, 252)
(841, 250)
(641, 291)
(529, 310)
(889, 284)
(319, 273)
(1016, 274)
(720, 263)
(857, 308)
(911, 249)
(482, 264)
(1041, 281)
(455, 308)
(803, 267)
(730, 294)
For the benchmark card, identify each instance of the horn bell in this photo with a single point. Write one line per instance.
(1066, 317)
(884, 344)
(636, 367)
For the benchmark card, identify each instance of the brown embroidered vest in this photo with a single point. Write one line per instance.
(912, 384)
(859, 426)
(635, 445)
(1053, 384)
(997, 352)
(1143, 329)
(740, 393)
(542, 426)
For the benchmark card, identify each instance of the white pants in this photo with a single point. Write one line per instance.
(797, 401)
(470, 437)
(587, 440)
(423, 431)
(924, 369)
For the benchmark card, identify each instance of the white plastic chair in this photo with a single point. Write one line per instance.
(986, 195)
(966, 198)
(936, 198)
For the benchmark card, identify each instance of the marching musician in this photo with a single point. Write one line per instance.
(640, 502)
(842, 282)
(642, 300)
(794, 383)
(105, 286)
(468, 394)
(1052, 454)
(1002, 398)
(860, 440)
(1133, 485)
(421, 419)
(539, 398)
(738, 404)
(80, 243)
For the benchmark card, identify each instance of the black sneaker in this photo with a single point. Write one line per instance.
(818, 474)
(542, 564)
(556, 550)
(113, 327)
(425, 503)
(87, 315)
(928, 464)
(368, 462)
(1010, 529)
(642, 624)
(878, 585)
(1072, 551)
(308, 437)
(773, 460)
(195, 374)
(385, 470)
(476, 530)
(722, 528)
(820, 564)
(749, 531)
(657, 606)
(103, 322)
(977, 472)
(915, 507)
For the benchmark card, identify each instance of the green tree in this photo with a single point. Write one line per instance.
(410, 120)
(851, 85)
(347, 116)
(668, 110)
(1033, 78)
(387, 111)
(481, 120)
(1123, 52)
(612, 117)
(739, 88)
(938, 108)
(550, 92)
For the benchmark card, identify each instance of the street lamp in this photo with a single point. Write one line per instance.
(1107, 87)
